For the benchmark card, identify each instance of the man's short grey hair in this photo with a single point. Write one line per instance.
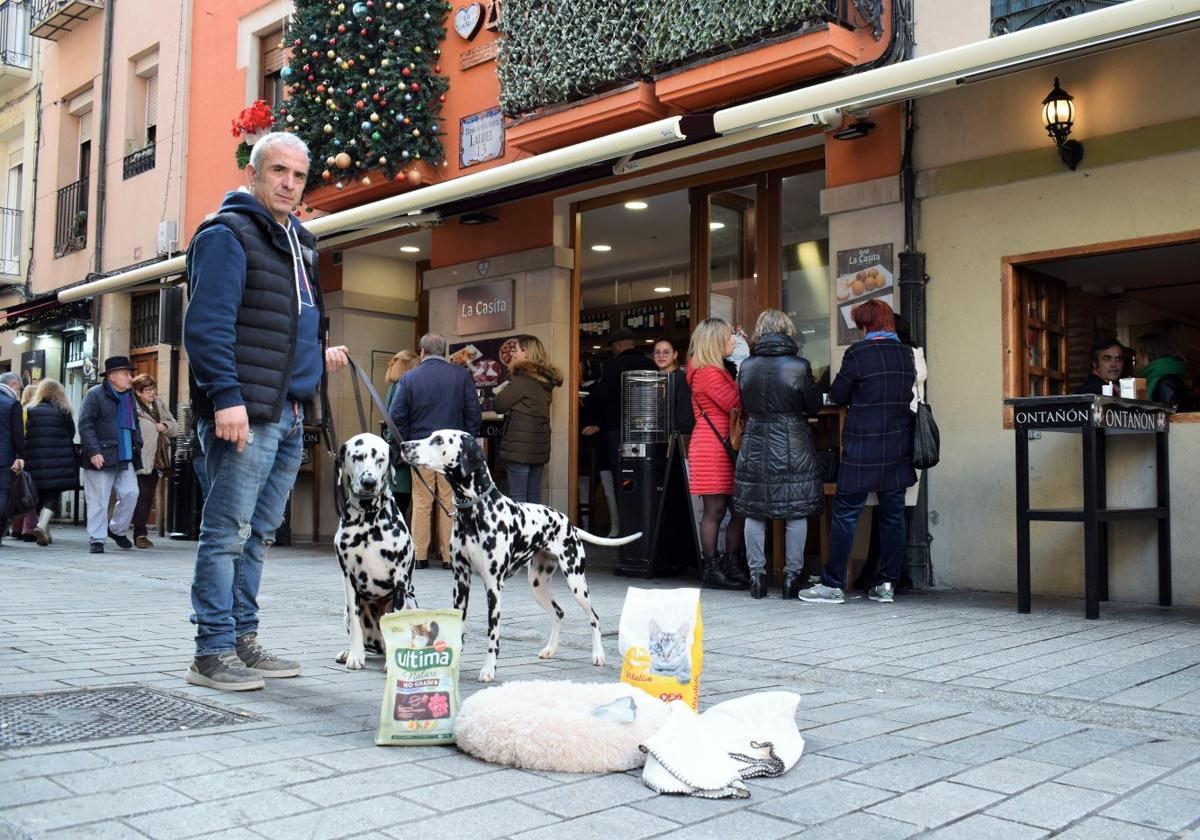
(773, 321)
(432, 344)
(277, 138)
(11, 380)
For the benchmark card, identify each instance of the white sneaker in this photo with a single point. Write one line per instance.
(822, 594)
(883, 593)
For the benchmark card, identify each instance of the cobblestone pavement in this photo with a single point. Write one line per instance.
(943, 715)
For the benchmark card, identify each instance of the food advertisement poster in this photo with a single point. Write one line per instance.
(488, 360)
(33, 367)
(862, 274)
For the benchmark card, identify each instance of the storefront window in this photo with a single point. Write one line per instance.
(804, 266)
(732, 275)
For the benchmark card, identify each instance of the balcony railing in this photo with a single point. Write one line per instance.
(561, 52)
(10, 241)
(1013, 15)
(138, 162)
(70, 227)
(51, 19)
(16, 45)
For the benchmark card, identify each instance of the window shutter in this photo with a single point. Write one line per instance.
(85, 127)
(152, 101)
(14, 159)
(273, 55)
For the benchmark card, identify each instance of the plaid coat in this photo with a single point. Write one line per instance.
(876, 382)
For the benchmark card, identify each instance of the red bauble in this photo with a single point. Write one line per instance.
(382, 103)
(413, 177)
(320, 88)
(437, 68)
(296, 43)
(442, 98)
(350, 63)
(360, 104)
(416, 87)
(349, 91)
(363, 32)
(375, 97)
(405, 72)
(307, 68)
(342, 28)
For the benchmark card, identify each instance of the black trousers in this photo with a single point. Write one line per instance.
(147, 484)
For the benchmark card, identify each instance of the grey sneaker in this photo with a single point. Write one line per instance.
(882, 593)
(223, 671)
(822, 594)
(261, 661)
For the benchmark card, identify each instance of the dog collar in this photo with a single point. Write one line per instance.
(470, 503)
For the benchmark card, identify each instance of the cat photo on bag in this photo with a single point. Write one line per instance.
(661, 643)
(669, 654)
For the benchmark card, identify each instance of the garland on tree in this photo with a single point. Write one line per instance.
(364, 88)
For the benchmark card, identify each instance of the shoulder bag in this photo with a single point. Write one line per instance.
(926, 446)
(730, 449)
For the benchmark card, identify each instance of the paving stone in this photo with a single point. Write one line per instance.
(25, 791)
(22, 767)
(874, 750)
(823, 801)
(694, 809)
(595, 794)
(860, 825)
(1008, 775)
(1051, 805)
(1099, 828)
(460, 793)
(343, 820)
(745, 824)
(809, 770)
(458, 765)
(1159, 806)
(218, 815)
(1037, 731)
(977, 749)
(936, 804)
(905, 773)
(854, 729)
(948, 729)
(1112, 775)
(95, 831)
(60, 813)
(1162, 753)
(601, 825)
(983, 827)
(1188, 777)
(481, 822)
(141, 773)
(1076, 750)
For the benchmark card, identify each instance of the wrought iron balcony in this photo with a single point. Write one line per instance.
(10, 241)
(52, 19)
(70, 226)
(16, 45)
(1013, 15)
(139, 161)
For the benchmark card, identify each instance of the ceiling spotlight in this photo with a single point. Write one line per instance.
(715, 225)
(596, 347)
(601, 249)
(410, 249)
(662, 290)
(636, 205)
(20, 338)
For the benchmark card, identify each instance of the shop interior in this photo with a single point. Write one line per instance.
(1070, 303)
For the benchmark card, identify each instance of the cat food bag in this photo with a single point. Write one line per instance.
(661, 642)
(420, 700)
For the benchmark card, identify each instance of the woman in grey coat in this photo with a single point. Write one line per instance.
(777, 475)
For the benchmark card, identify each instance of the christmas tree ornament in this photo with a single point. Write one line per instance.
(383, 160)
(413, 177)
(343, 160)
(376, 136)
(366, 181)
(359, 9)
(374, 117)
(366, 125)
(326, 175)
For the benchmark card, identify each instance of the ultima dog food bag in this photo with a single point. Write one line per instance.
(420, 700)
(661, 642)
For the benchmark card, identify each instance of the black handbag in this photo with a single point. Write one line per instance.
(725, 442)
(22, 495)
(926, 445)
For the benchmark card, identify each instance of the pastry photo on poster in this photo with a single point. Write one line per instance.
(488, 360)
(862, 274)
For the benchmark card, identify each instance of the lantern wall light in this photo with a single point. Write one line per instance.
(1058, 115)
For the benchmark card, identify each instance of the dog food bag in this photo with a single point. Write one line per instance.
(420, 700)
(661, 643)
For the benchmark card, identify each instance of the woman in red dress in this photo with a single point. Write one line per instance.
(710, 469)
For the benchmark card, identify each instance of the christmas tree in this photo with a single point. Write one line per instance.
(364, 88)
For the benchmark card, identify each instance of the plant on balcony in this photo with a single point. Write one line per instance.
(250, 122)
(79, 224)
(558, 52)
(365, 88)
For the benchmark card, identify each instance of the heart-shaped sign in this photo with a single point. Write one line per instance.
(468, 19)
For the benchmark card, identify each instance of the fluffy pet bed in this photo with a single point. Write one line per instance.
(551, 725)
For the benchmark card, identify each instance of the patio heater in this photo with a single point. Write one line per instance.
(646, 400)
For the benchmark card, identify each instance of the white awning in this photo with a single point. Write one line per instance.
(1119, 25)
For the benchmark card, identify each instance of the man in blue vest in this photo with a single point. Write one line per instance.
(253, 334)
(12, 438)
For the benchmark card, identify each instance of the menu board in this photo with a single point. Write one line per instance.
(862, 274)
(488, 360)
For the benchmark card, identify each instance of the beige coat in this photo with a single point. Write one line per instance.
(150, 433)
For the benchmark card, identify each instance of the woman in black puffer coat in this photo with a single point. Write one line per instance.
(777, 475)
(50, 451)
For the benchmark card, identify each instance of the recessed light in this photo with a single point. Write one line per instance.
(636, 205)
(662, 289)
(595, 346)
(715, 225)
(410, 249)
(649, 340)
(601, 249)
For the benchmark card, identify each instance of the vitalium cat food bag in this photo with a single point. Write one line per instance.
(661, 643)
(420, 700)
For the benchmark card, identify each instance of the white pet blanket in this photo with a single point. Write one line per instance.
(710, 754)
(551, 725)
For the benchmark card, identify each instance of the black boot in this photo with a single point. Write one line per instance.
(713, 576)
(734, 564)
(758, 585)
(792, 584)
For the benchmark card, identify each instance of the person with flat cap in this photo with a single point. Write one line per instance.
(112, 444)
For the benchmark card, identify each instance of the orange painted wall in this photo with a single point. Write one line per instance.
(877, 155)
(519, 226)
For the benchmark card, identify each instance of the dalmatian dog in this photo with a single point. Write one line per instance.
(373, 546)
(495, 536)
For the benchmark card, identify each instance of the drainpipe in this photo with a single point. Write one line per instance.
(102, 163)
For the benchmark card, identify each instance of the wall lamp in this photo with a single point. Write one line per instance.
(1058, 115)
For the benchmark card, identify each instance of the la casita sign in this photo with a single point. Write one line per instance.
(485, 308)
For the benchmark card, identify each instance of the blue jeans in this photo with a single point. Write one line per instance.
(525, 482)
(846, 508)
(6, 477)
(248, 491)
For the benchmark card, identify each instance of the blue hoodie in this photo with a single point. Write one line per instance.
(217, 274)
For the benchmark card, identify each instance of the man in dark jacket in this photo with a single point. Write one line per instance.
(1108, 360)
(111, 440)
(12, 438)
(604, 401)
(432, 396)
(253, 339)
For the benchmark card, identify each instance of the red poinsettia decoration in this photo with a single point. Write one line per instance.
(253, 119)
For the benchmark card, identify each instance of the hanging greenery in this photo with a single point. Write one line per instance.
(556, 51)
